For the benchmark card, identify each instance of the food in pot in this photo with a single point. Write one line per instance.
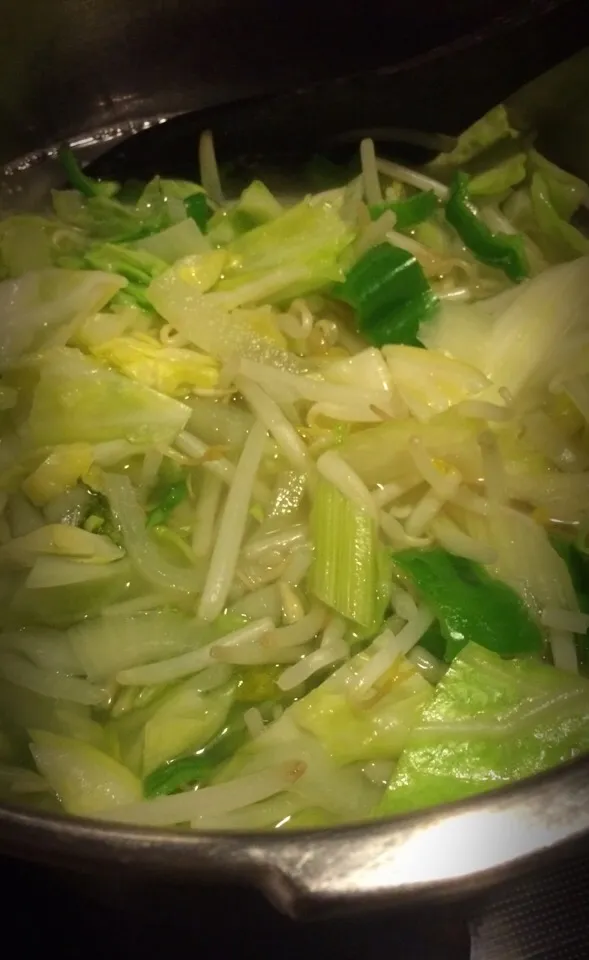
(294, 492)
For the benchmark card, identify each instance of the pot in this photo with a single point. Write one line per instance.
(121, 67)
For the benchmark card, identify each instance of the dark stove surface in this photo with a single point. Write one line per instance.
(543, 917)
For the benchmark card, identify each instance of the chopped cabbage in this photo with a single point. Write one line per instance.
(78, 400)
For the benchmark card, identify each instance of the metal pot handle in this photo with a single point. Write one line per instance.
(452, 851)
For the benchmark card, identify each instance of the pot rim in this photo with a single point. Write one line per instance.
(445, 852)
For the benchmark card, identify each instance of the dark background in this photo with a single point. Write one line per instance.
(541, 916)
(73, 65)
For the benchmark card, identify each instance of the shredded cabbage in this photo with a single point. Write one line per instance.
(292, 528)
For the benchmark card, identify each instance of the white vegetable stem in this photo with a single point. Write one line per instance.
(274, 420)
(219, 799)
(232, 527)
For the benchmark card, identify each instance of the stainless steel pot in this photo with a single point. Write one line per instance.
(82, 65)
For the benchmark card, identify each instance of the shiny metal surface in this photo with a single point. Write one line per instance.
(447, 853)
(80, 65)
(73, 65)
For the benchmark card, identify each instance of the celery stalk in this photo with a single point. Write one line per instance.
(344, 574)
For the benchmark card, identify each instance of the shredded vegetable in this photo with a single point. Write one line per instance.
(294, 490)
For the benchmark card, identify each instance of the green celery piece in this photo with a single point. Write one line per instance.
(137, 266)
(502, 251)
(80, 181)
(567, 242)
(491, 722)
(170, 499)
(390, 294)
(408, 213)
(344, 573)
(565, 191)
(469, 604)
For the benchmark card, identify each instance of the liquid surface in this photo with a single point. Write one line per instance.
(294, 488)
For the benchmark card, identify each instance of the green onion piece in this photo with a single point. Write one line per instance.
(197, 208)
(190, 771)
(345, 572)
(469, 604)
(494, 249)
(390, 294)
(409, 212)
(174, 495)
(78, 179)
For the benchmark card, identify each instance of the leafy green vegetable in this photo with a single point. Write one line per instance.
(505, 252)
(183, 239)
(491, 722)
(174, 371)
(79, 400)
(168, 500)
(390, 294)
(469, 604)
(485, 133)
(374, 729)
(344, 571)
(309, 236)
(80, 181)
(33, 305)
(408, 212)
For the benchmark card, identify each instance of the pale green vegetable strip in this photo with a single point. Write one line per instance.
(85, 779)
(79, 400)
(343, 574)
